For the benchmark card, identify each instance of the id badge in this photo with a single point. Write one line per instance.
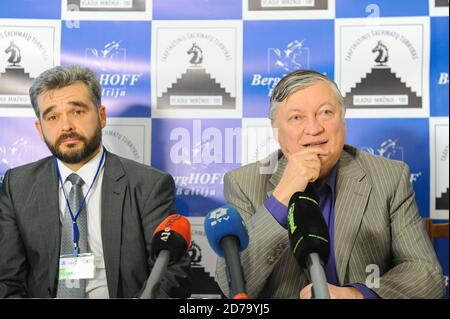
(76, 267)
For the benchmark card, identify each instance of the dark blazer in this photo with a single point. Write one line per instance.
(135, 198)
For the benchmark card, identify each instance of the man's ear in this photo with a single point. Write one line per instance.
(38, 126)
(102, 115)
(274, 130)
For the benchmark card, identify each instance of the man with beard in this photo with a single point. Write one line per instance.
(79, 224)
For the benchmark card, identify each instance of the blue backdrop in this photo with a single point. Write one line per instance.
(186, 84)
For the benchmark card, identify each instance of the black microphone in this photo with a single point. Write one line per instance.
(309, 238)
(170, 242)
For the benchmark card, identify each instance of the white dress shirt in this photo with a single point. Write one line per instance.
(96, 287)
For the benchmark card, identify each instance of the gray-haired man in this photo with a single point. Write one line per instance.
(79, 223)
(367, 202)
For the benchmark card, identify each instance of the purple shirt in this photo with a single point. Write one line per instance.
(326, 194)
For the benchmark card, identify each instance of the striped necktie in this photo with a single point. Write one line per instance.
(73, 288)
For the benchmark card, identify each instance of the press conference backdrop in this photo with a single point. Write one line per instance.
(186, 84)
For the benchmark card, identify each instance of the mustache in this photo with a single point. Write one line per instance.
(62, 137)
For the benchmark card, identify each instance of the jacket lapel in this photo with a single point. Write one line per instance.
(113, 193)
(280, 166)
(352, 194)
(48, 216)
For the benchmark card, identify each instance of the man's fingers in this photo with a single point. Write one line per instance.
(310, 157)
(313, 165)
(304, 158)
(312, 150)
(308, 152)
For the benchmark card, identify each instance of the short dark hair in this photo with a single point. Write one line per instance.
(62, 76)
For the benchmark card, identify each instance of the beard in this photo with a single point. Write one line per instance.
(73, 157)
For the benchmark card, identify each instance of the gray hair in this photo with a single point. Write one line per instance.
(299, 80)
(62, 76)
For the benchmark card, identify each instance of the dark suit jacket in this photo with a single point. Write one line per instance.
(135, 199)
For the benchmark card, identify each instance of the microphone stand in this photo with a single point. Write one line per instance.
(153, 281)
(319, 288)
(236, 279)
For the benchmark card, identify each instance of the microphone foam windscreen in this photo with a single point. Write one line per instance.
(308, 232)
(174, 235)
(222, 222)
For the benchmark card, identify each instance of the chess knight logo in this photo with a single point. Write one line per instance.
(196, 68)
(197, 55)
(382, 54)
(14, 52)
(111, 63)
(15, 81)
(25, 52)
(195, 252)
(382, 66)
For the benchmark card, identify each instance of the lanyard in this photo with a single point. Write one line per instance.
(76, 234)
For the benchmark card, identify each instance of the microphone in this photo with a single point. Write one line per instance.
(170, 242)
(309, 238)
(228, 236)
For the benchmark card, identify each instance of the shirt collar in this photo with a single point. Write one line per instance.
(331, 181)
(86, 172)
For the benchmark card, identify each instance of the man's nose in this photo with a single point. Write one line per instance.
(66, 123)
(313, 127)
